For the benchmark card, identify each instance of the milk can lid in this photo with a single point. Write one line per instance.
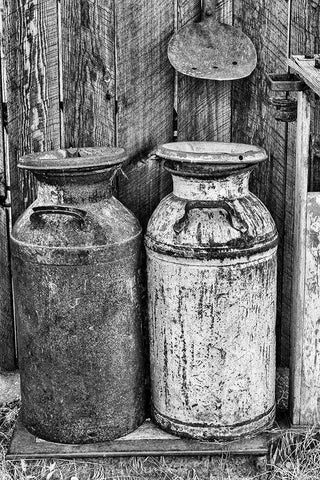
(91, 158)
(214, 153)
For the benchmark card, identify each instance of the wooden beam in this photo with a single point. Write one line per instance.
(306, 70)
(303, 39)
(7, 344)
(7, 334)
(298, 340)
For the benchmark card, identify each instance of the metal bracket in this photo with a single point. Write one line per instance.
(285, 106)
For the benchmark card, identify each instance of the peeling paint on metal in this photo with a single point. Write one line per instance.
(212, 309)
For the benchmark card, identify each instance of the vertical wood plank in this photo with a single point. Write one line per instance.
(145, 91)
(305, 21)
(87, 53)
(7, 343)
(306, 352)
(299, 343)
(253, 117)
(304, 39)
(31, 51)
(7, 349)
(203, 106)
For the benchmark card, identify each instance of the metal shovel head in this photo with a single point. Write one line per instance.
(213, 51)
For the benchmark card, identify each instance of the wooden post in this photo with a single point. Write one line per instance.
(301, 342)
(7, 343)
(7, 348)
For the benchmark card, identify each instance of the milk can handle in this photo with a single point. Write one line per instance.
(209, 9)
(232, 215)
(78, 214)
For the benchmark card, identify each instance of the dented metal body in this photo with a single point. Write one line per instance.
(75, 254)
(211, 247)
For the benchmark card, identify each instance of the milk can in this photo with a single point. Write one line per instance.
(75, 254)
(211, 247)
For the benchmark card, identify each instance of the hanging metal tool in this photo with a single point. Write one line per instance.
(212, 50)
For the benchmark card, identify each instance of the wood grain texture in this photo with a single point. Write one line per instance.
(7, 342)
(7, 348)
(253, 117)
(203, 106)
(306, 70)
(145, 91)
(147, 440)
(306, 409)
(299, 306)
(88, 72)
(305, 21)
(31, 50)
(304, 39)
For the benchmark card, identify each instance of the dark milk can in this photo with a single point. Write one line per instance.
(211, 247)
(75, 254)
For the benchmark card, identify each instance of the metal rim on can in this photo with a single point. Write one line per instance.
(74, 159)
(213, 153)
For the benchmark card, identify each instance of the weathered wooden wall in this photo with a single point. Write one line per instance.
(7, 343)
(95, 72)
(253, 118)
(277, 29)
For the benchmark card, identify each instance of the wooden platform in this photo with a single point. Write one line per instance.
(304, 67)
(148, 440)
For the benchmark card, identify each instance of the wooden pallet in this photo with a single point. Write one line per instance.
(148, 440)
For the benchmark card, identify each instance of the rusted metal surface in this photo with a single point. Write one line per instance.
(285, 109)
(285, 82)
(212, 50)
(211, 248)
(285, 106)
(76, 283)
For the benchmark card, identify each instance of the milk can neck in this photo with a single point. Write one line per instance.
(219, 188)
(70, 193)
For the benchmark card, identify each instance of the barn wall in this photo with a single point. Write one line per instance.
(96, 73)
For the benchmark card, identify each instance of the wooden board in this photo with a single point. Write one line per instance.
(32, 67)
(87, 53)
(148, 440)
(306, 70)
(7, 344)
(253, 121)
(300, 340)
(304, 39)
(306, 410)
(203, 106)
(7, 349)
(145, 90)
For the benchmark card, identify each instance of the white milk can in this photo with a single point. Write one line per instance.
(211, 248)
